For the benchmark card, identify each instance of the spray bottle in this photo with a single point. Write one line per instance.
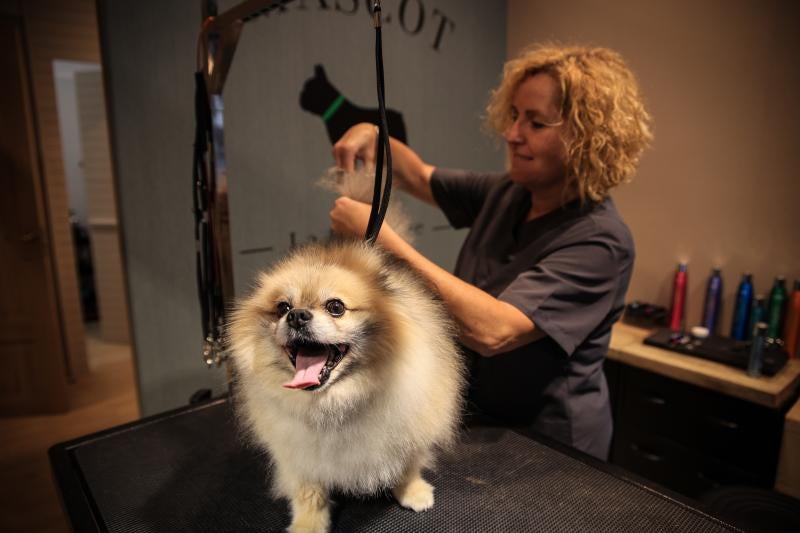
(741, 312)
(712, 303)
(776, 307)
(676, 315)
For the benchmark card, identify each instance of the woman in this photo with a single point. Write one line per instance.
(543, 272)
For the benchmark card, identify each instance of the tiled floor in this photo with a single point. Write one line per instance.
(106, 398)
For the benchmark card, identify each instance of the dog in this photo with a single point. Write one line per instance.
(346, 371)
(319, 93)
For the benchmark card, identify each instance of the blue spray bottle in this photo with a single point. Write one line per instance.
(741, 312)
(711, 308)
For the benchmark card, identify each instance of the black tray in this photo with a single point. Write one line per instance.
(720, 349)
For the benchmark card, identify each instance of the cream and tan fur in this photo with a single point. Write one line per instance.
(387, 407)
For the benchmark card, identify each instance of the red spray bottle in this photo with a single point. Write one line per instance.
(676, 315)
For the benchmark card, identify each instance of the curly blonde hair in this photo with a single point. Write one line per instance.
(608, 127)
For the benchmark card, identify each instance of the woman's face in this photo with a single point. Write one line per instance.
(534, 136)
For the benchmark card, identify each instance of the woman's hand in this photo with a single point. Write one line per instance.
(349, 217)
(357, 143)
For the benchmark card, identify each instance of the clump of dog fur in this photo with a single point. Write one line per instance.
(359, 186)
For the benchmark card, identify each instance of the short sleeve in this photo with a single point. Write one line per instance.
(460, 194)
(568, 293)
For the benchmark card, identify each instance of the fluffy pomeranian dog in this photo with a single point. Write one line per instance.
(348, 374)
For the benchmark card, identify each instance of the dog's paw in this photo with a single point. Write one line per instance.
(309, 524)
(310, 512)
(417, 495)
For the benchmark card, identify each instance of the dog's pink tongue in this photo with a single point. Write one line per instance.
(307, 371)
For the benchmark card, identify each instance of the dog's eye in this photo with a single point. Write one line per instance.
(282, 308)
(335, 307)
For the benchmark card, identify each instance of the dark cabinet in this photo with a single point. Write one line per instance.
(688, 438)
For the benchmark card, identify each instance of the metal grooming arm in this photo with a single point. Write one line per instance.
(217, 42)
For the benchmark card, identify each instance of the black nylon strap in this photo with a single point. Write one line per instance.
(380, 203)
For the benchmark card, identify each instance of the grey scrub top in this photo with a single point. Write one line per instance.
(568, 272)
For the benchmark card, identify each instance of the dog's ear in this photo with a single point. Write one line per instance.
(319, 72)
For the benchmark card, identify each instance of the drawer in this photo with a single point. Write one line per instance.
(739, 432)
(715, 426)
(675, 466)
(656, 405)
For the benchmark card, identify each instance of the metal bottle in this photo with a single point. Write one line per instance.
(711, 306)
(758, 313)
(676, 315)
(756, 360)
(791, 328)
(741, 311)
(776, 307)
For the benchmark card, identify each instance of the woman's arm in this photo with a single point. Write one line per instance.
(487, 325)
(410, 172)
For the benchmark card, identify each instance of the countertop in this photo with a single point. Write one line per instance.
(774, 392)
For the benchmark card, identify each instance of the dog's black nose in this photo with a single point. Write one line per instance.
(297, 318)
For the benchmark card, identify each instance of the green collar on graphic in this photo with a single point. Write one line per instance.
(333, 108)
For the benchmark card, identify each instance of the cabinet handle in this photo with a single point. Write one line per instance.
(711, 481)
(652, 457)
(656, 400)
(721, 422)
(31, 236)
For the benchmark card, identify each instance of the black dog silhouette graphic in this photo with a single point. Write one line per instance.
(338, 113)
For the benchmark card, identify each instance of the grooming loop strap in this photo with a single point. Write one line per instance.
(380, 203)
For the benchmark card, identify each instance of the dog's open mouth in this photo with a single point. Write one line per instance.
(313, 363)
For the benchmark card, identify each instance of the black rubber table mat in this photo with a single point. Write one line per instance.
(189, 471)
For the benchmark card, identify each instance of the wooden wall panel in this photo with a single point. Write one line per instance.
(60, 30)
(31, 348)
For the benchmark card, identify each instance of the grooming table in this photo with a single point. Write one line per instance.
(189, 470)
